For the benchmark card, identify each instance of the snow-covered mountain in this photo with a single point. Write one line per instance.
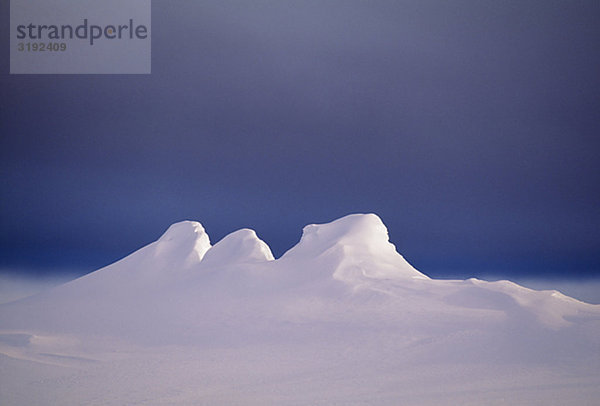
(341, 318)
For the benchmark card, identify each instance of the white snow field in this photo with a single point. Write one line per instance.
(339, 319)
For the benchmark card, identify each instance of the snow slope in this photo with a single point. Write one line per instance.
(341, 318)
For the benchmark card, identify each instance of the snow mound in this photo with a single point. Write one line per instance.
(354, 247)
(366, 230)
(178, 251)
(242, 246)
(186, 240)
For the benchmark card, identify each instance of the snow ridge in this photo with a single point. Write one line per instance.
(340, 318)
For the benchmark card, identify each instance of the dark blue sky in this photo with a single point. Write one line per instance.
(470, 127)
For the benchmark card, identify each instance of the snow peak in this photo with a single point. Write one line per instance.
(83, 31)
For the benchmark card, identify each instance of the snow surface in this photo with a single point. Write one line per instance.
(339, 319)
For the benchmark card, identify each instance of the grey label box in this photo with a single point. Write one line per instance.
(83, 36)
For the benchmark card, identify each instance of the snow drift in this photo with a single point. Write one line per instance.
(341, 318)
